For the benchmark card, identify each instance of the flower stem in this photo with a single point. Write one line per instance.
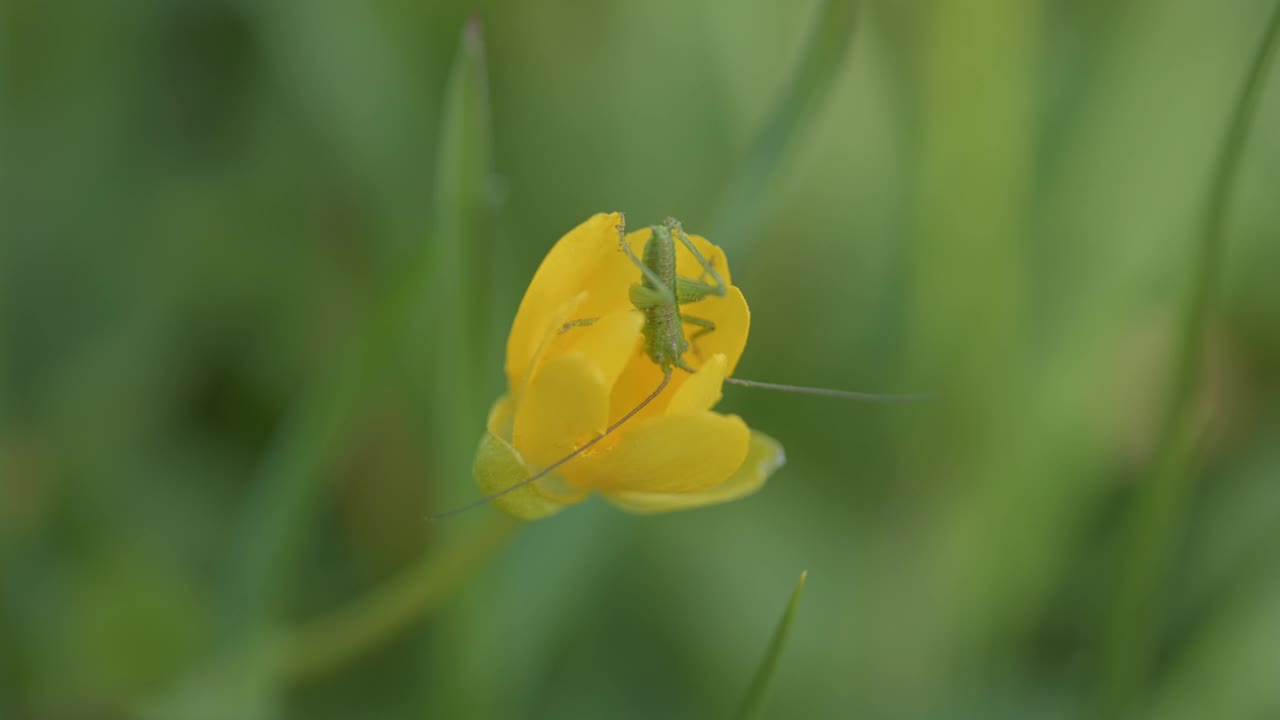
(323, 645)
(1161, 501)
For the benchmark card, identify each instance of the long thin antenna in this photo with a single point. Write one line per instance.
(827, 392)
(666, 378)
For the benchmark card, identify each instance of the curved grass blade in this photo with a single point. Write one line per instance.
(1160, 505)
(825, 49)
(458, 286)
(754, 700)
(289, 476)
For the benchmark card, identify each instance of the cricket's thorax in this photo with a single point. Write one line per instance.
(663, 332)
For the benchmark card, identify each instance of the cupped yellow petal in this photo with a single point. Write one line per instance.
(672, 454)
(638, 380)
(564, 406)
(610, 342)
(702, 390)
(498, 466)
(763, 458)
(544, 349)
(585, 259)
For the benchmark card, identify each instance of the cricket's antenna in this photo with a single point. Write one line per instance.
(666, 378)
(827, 392)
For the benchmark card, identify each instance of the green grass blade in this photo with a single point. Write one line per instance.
(825, 50)
(455, 396)
(289, 476)
(458, 286)
(754, 700)
(1161, 502)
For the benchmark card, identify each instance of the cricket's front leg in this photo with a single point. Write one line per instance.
(717, 286)
(667, 297)
(583, 322)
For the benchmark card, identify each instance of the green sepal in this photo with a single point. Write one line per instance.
(497, 467)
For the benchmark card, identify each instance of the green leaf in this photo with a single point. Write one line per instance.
(754, 700)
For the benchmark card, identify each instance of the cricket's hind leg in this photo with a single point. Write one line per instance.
(705, 327)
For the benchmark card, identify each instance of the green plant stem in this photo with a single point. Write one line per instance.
(321, 646)
(753, 702)
(1161, 501)
(825, 48)
(286, 482)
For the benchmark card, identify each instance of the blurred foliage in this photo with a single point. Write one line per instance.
(204, 203)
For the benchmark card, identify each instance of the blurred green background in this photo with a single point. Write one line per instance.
(239, 368)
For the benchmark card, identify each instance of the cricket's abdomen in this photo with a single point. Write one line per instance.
(664, 339)
(663, 332)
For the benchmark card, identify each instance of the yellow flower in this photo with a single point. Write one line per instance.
(567, 385)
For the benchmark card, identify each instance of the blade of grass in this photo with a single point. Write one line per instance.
(457, 286)
(753, 702)
(460, 296)
(1159, 508)
(824, 52)
(286, 482)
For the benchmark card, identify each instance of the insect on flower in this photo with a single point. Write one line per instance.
(611, 382)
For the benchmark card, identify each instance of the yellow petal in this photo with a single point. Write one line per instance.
(702, 390)
(610, 342)
(501, 423)
(763, 458)
(638, 380)
(550, 336)
(498, 466)
(564, 406)
(677, 453)
(585, 259)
